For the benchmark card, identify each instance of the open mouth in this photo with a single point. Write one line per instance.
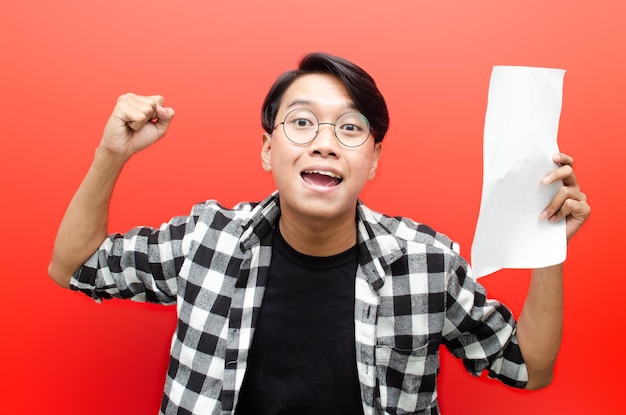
(321, 178)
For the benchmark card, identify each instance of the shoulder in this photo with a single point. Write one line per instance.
(249, 220)
(417, 255)
(242, 211)
(405, 230)
(212, 208)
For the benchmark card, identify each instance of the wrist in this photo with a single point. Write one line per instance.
(110, 159)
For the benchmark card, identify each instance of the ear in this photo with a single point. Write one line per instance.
(378, 149)
(266, 154)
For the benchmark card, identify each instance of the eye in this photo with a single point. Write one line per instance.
(352, 123)
(302, 122)
(301, 119)
(350, 127)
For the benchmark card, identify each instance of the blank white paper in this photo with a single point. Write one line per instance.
(520, 137)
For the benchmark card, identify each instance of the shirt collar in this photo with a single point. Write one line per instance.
(378, 247)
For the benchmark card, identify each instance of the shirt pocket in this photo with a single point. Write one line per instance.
(407, 378)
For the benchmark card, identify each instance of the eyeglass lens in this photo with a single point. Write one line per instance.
(301, 126)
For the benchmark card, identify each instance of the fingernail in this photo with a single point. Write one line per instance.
(543, 215)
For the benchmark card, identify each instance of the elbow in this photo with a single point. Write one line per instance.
(540, 380)
(57, 275)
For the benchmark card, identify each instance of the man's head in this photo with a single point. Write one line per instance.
(360, 86)
(321, 157)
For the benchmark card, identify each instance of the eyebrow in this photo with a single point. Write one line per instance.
(308, 102)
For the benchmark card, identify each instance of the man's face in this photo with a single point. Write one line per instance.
(321, 179)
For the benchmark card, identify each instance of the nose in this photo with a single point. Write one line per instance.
(325, 143)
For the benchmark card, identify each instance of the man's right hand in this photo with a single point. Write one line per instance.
(136, 123)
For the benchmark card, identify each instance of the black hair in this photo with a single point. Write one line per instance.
(359, 84)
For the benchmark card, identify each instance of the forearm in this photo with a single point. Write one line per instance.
(84, 225)
(540, 324)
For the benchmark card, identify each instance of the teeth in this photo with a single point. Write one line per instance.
(325, 173)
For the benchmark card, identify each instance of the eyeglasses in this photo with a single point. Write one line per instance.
(301, 126)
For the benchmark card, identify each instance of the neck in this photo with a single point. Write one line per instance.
(319, 237)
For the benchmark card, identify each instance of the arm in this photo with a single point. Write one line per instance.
(540, 323)
(136, 123)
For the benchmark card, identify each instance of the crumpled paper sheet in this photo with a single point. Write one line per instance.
(520, 137)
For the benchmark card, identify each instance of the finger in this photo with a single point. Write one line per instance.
(563, 159)
(164, 117)
(164, 113)
(568, 206)
(564, 173)
(134, 99)
(158, 99)
(150, 105)
(561, 204)
(575, 211)
(136, 111)
(136, 118)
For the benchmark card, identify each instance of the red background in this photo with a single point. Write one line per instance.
(64, 63)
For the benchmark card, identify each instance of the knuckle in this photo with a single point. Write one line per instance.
(572, 193)
(567, 170)
(568, 191)
(125, 97)
(569, 204)
(563, 193)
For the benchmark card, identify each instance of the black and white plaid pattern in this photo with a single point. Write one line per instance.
(413, 293)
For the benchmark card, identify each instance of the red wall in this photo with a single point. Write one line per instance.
(64, 63)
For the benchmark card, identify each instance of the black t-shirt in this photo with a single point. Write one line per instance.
(302, 359)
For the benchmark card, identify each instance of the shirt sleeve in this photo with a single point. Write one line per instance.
(141, 264)
(481, 331)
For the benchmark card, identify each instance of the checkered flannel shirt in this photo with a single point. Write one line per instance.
(414, 293)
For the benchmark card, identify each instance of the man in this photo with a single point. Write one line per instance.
(308, 302)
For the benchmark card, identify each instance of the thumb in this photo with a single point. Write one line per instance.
(164, 116)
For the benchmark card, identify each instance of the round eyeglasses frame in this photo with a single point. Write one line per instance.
(317, 127)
